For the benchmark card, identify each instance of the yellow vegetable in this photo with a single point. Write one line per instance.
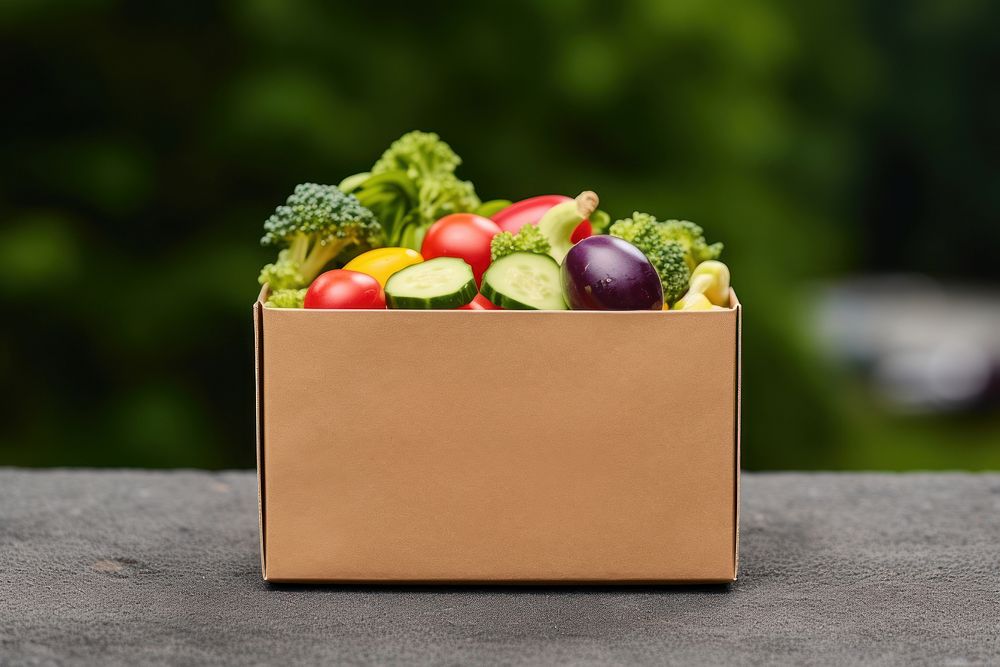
(710, 281)
(383, 262)
(695, 301)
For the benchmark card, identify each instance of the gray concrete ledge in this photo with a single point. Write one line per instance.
(162, 568)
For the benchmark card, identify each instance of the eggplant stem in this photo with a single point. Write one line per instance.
(586, 203)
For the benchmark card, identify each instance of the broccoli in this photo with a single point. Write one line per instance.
(412, 186)
(692, 239)
(418, 154)
(286, 298)
(442, 194)
(665, 254)
(657, 239)
(527, 239)
(316, 224)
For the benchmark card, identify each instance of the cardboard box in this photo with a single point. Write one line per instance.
(498, 446)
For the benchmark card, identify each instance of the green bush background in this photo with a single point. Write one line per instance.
(144, 143)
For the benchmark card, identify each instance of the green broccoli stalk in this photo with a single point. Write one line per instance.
(412, 186)
(286, 298)
(527, 239)
(666, 255)
(391, 195)
(316, 224)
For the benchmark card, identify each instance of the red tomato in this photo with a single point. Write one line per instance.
(345, 289)
(463, 235)
(531, 210)
(479, 303)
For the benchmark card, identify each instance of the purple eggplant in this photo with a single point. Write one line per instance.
(608, 273)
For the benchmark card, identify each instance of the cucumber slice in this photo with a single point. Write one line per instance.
(442, 282)
(524, 281)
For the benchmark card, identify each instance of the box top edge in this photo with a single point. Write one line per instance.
(316, 312)
(733, 301)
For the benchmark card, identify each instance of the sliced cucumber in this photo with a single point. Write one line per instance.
(442, 282)
(524, 281)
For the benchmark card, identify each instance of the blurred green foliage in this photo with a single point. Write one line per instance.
(143, 145)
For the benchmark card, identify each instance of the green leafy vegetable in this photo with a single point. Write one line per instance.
(316, 224)
(527, 239)
(411, 186)
(656, 240)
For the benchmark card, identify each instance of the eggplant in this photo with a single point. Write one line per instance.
(609, 273)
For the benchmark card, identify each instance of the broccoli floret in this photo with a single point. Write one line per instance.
(418, 154)
(442, 194)
(692, 239)
(665, 254)
(284, 273)
(286, 298)
(668, 259)
(690, 236)
(527, 239)
(317, 223)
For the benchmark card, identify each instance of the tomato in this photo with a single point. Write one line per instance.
(480, 302)
(463, 235)
(531, 210)
(383, 262)
(345, 289)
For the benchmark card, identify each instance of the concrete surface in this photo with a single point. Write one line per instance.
(162, 567)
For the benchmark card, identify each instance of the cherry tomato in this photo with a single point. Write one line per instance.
(480, 302)
(341, 288)
(463, 235)
(531, 210)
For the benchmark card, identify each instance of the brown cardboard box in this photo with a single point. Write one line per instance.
(498, 446)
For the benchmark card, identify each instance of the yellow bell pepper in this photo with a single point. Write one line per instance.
(383, 262)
